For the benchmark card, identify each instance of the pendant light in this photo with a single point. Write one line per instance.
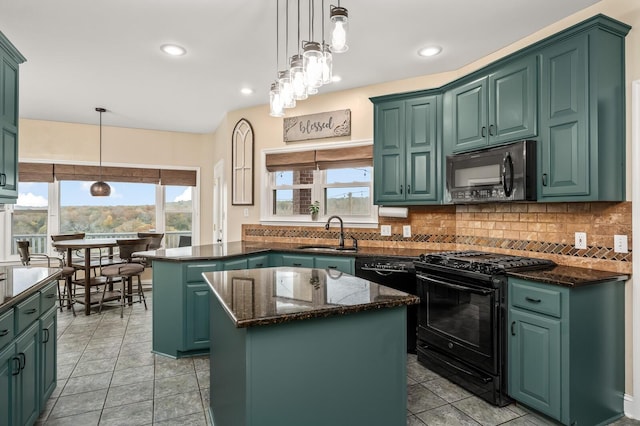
(100, 188)
(276, 103)
(340, 19)
(327, 57)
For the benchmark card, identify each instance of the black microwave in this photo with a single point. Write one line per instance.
(503, 173)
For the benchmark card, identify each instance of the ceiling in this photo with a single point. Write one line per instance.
(83, 54)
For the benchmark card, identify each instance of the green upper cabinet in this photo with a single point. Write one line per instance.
(496, 108)
(582, 116)
(10, 58)
(406, 149)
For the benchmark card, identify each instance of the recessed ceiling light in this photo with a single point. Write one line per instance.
(246, 91)
(429, 51)
(336, 78)
(173, 49)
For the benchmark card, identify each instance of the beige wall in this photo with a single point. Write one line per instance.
(79, 143)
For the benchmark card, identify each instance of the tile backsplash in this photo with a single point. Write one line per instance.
(529, 229)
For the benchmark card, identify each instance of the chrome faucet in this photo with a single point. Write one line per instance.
(341, 238)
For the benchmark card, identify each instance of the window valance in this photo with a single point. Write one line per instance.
(337, 158)
(42, 172)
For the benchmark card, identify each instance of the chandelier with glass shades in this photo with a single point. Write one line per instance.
(310, 66)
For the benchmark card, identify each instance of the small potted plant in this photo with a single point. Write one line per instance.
(314, 208)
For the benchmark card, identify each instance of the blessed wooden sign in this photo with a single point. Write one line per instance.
(317, 126)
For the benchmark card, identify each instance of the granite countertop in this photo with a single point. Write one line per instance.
(254, 297)
(241, 248)
(568, 276)
(19, 282)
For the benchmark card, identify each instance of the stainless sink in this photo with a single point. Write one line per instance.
(328, 248)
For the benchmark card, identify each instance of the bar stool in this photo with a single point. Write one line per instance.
(125, 272)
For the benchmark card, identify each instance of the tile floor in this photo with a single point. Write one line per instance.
(108, 376)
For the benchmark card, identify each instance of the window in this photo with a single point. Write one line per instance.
(346, 192)
(130, 209)
(178, 214)
(29, 216)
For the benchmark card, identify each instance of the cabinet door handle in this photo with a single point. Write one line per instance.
(46, 334)
(532, 300)
(400, 189)
(3, 179)
(23, 357)
(408, 189)
(15, 373)
(4, 332)
(30, 311)
(491, 128)
(513, 328)
(544, 179)
(483, 132)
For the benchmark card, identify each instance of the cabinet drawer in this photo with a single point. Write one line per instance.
(6, 328)
(48, 297)
(194, 272)
(546, 301)
(297, 261)
(27, 312)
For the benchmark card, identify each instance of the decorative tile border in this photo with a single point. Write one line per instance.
(363, 236)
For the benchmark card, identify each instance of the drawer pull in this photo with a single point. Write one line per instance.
(332, 267)
(259, 265)
(532, 300)
(30, 311)
(50, 296)
(23, 357)
(15, 373)
(4, 333)
(297, 264)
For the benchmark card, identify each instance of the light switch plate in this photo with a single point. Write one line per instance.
(620, 244)
(246, 212)
(406, 231)
(581, 240)
(385, 230)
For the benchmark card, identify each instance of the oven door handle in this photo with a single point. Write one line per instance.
(468, 289)
(483, 379)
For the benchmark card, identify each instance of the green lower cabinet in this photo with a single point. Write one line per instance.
(27, 392)
(8, 365)
(48, 354)
(534, 355)
(566, 350)
(197, 316)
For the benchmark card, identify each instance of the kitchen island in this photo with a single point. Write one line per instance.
(304, 346)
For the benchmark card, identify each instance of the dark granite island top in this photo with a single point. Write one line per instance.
(19, 282)
(254, 297)
(297, 346)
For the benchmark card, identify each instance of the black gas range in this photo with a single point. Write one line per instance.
(462, 317)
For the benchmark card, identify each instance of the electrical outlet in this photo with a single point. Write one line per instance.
(385, 230)
(620, 244)
(406, 231)
(246, 212)
(581, 240)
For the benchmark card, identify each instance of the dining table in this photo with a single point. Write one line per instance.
(86, 244)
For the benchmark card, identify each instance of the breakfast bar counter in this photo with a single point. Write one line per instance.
(292, 346)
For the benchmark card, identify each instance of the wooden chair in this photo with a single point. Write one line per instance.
(125, 272)
(67, 271)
